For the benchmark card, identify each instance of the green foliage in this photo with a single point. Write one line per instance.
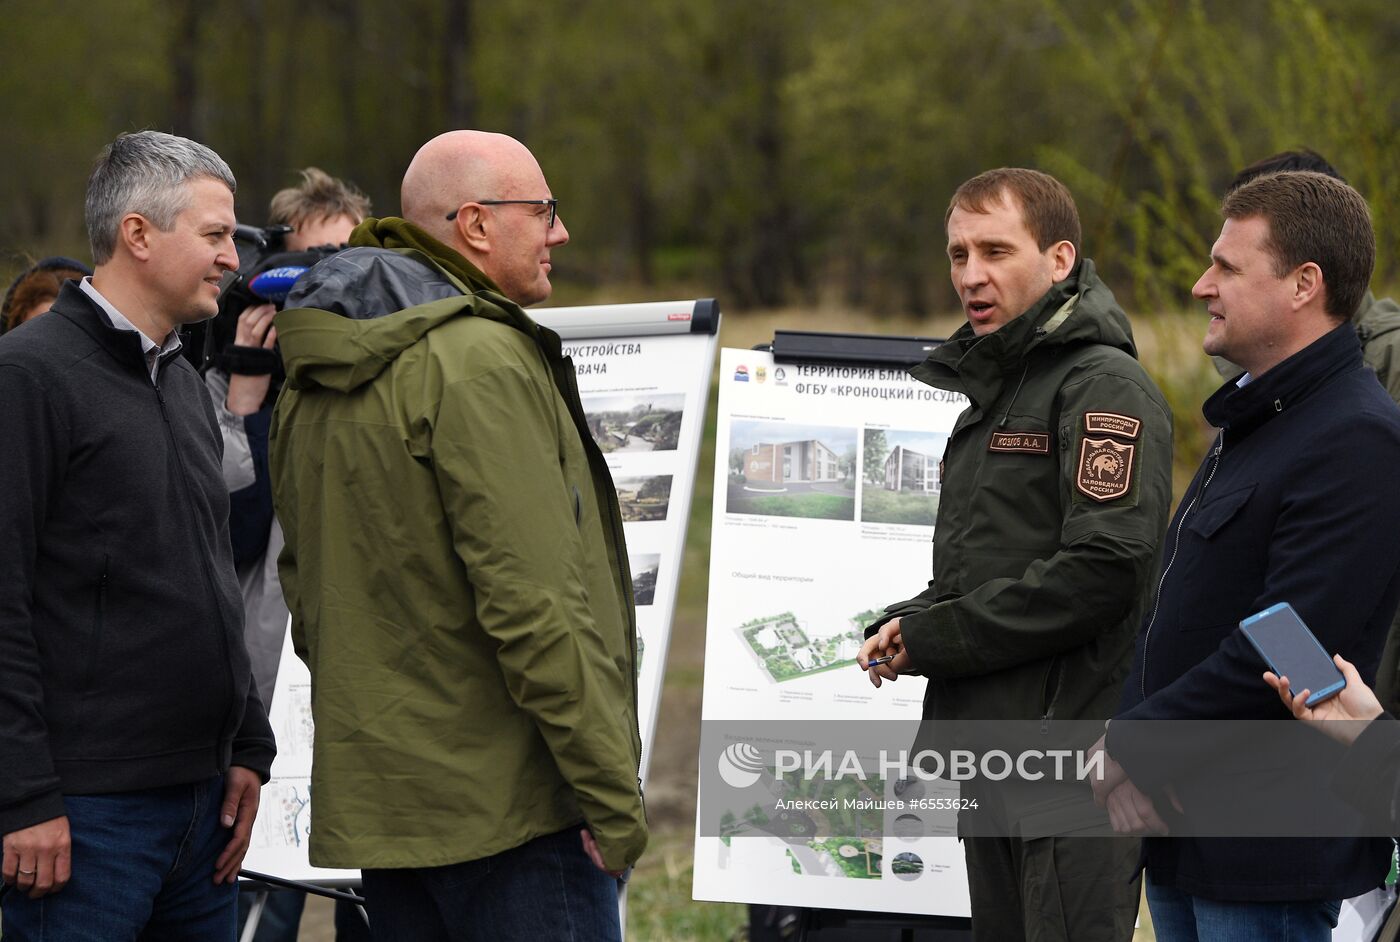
(847, 464)
(865, 865)
(822, 506)
(877, 450)
(764, 152)
(881, 506)
(1191, 92)
(736, 462)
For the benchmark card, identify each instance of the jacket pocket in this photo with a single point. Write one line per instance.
(1209, 518)
(88, 679)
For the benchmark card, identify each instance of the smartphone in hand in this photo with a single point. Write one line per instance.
(1291, 650)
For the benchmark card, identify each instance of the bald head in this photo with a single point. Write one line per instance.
(459, 166)
(496, 193)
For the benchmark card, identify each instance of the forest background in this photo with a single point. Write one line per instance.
(768, 152)
(792, 158)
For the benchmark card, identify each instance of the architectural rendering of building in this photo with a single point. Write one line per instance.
(909, 470)
(805, 462)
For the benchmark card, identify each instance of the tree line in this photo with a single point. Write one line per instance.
(771, 152)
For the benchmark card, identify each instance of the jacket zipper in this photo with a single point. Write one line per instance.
(1049, 693)
(234, 703)
(1176, 545)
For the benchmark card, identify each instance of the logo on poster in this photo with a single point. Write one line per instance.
(740, 764)
(760, 373)
(780, 376)
(741, 374)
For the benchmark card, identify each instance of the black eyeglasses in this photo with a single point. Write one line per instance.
(553, 205)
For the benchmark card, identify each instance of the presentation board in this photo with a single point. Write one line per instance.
(644, 397)
(827, 481)
(645, 400)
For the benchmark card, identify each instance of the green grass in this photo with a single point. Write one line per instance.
(659, 907)
(818, 506)
(881, 506)
(863, 866)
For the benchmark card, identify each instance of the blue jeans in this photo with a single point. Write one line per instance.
(143, 868)
(546, 888)
(1182, 917)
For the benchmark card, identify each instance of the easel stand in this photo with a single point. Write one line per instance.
(774, 923)
(264, 884)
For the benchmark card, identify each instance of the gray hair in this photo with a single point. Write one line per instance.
(145, 172)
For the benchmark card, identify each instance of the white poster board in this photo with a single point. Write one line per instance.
(826, 491)
(278, 845)
(644, 397)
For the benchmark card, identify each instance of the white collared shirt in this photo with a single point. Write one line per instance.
(149, 348)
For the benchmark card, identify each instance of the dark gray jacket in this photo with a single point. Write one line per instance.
(1042, 565)
(1284, 509)
(367, 282)
(122, 664)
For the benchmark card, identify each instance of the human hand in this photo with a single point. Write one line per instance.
(1132, 812)
(242, 790)
(1357, 702)
(590, 847)
(38, 859)
(888, 641)
(1112, 774)
(246, 393)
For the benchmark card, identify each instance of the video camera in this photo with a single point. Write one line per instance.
(266, 274)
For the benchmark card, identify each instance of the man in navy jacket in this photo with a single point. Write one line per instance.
(1284, 509)
(132, 742)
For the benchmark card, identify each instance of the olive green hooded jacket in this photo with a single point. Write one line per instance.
(458, 581)
(1056, 486)
(1378, 325)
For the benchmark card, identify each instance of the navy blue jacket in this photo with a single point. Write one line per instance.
(122, 664)
(1285, 508)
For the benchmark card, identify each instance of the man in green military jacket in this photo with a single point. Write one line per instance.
(1056, 488)
(455, 569)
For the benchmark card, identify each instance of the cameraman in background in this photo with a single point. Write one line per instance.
(321, 211)
(243, 379)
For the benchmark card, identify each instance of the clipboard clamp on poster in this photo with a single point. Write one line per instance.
(649, 319)
(869, 349)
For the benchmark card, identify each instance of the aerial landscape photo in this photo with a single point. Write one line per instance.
(643, 422)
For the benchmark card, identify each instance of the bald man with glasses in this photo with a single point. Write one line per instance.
(455, 568)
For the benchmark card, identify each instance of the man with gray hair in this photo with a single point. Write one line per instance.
(132, 741)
